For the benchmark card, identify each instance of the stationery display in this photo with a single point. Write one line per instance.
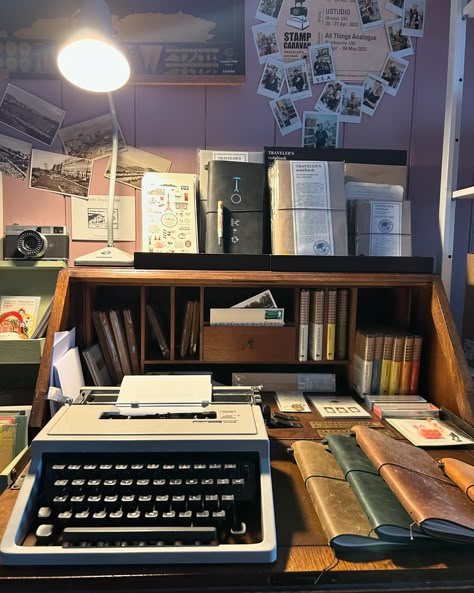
(291, 401)
(429, 432)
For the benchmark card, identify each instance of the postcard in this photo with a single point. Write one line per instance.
(262, 300)
(291, 401)
(18, 316)
(320, 130)
(322, 62)
(30, 114)
(89, 218)
(272, 80)
(15, 157)
(400, 44)
(393, 72)
(60, 173)
(297, 80)
(133, 163)
(91, 139)
(266, 41)
(429, 432)
(285, 114)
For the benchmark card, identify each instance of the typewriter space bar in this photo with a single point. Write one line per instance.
(77, 535)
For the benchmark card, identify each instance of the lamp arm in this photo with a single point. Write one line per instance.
(113, 172)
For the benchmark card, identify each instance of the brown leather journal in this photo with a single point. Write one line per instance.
(434, 502)
(461, 473)
(342, 518)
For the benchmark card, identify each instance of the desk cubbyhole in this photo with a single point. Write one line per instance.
(159, 335)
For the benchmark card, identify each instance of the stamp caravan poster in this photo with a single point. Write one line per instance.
(356, 47)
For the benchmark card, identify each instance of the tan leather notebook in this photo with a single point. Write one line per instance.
(342, 518)
(461, 473)
(434, 502)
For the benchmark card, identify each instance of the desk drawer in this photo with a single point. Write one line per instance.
(250, 344)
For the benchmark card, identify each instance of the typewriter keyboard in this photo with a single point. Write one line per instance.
(146, 499)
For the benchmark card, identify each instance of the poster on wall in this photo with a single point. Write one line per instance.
(346, 53)
(167, 41)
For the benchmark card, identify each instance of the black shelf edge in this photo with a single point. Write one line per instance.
(349, 263)
(282, 263)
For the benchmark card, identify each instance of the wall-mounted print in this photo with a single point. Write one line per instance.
(60, 174)
(166, 41)
(134, 163)
(30, 114)
(15, 156)
(91, 139)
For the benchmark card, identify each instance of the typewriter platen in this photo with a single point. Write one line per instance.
(144, 482)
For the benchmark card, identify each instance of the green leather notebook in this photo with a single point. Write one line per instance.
(388, 518)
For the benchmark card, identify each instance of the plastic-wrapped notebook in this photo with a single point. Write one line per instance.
(118, 328)
(386, 515)
(434, 502)
(342, 518)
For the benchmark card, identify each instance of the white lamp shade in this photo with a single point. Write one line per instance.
(90, 58)
(93, 65)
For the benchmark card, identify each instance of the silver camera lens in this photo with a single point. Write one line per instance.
(32, 243)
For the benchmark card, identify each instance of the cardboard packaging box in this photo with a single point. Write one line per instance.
(468, 320)
(308, 208)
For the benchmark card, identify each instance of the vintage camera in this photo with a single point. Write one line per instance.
(299, 9)
(36, 242)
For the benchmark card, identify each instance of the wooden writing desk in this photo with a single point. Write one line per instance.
(304, 562)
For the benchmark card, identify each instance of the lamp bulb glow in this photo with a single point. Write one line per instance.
(93, 65)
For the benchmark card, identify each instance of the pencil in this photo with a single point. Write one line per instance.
(220, 222)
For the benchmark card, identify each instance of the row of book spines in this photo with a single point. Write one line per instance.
(389, 363)
(317, 338)
(117, 337)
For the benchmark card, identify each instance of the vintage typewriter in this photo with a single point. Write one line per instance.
(144, 481)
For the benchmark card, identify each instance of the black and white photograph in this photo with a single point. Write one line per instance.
(285, 114)
(374, 88)
(320, 130)
(297, 80)
(91, 139)
(268, 10)
(414, 18)
(400, 44)
(351, 104)
(266, 41)
(30, 114)
(330, 98)
(60, 173)
(15, 157)
(395, 6)
(134, 163)
(321, 62)
(370, 14)
(273, 79)
(262, 300)
(393, 72)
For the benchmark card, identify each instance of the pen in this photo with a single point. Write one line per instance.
(220, 222)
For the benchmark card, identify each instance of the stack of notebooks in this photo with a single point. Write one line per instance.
(386, 362)
(323, 324)
(372, 492)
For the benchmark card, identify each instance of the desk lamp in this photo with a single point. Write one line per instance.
(91, 60)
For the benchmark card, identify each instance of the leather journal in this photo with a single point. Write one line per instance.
(340, 514)
(431, 498)
(237, 188)
(461, 473)
(387, 516)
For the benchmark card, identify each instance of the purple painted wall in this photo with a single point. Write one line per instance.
(173, 121)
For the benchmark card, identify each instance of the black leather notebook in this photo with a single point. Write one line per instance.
(235, 197)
